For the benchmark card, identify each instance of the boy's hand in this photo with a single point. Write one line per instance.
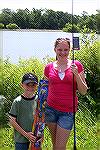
(31, 137)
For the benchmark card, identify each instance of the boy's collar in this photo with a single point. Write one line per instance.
(26, 98)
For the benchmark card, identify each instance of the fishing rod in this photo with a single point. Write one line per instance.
(75, 46)
(39, 123)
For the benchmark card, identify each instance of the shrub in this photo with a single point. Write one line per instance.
(88, 55)
(3, 118)
(12, 26)
(1, 26)
(71, 28)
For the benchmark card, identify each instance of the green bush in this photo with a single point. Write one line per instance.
(3, 118)
(71, 28)
(88, 55)
(1, 26)
(12, 26)
(11, 75)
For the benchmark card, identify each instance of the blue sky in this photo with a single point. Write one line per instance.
(89, 6)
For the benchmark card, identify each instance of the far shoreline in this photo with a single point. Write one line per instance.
(31, 30)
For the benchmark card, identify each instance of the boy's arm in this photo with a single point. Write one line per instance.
(28, 135)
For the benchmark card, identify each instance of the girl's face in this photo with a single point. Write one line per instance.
(62, 50)
(29, 88)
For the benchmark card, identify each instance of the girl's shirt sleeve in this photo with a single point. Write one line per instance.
(46, 70)
(80, 66)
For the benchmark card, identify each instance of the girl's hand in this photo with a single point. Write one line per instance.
(74, 69)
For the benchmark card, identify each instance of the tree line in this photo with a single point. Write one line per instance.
(48, 19)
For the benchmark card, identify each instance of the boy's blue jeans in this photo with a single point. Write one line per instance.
(21, 146)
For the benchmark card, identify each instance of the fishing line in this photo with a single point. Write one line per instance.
(73, 45)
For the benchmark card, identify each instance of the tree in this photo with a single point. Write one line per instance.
(21, 18)
(6, 16)
(49, 19)
(62, 19)
(35, 18)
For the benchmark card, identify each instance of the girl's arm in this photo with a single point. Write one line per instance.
(81, 83)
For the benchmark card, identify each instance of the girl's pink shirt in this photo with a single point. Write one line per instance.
(60, 92)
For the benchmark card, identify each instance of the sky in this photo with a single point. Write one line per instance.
(90, 6)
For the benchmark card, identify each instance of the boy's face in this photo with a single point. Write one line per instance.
(29, 87)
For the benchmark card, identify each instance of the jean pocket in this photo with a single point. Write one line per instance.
(70, 114)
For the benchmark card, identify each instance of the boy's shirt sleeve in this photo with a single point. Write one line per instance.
(35, 105)
(13, 110)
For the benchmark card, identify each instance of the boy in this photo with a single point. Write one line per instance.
(22, 111)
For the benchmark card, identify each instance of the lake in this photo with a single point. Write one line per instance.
(28, 43)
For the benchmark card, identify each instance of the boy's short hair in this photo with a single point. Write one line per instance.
(29, 77)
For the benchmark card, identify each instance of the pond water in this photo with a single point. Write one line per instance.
(27, 43)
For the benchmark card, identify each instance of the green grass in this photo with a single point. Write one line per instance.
(98, 135)
(6, 139)
(86, 134)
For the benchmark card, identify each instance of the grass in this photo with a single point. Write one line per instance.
(87, 136)
(87, 133)
(98, 134)
(6, 138)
